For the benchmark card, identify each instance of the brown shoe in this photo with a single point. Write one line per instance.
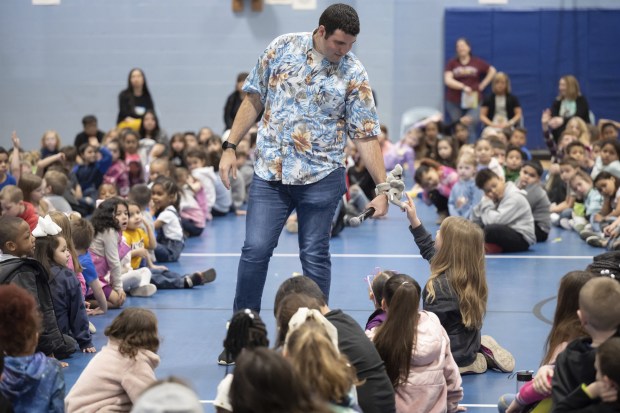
(237, 6)
(477, 367)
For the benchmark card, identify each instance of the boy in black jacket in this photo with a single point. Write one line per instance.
(17, 245)
(599, 312)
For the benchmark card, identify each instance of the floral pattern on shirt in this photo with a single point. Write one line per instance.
(310, 107)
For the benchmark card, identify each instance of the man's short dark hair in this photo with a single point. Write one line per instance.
(89, 120)
(483, 176)
(340, 16)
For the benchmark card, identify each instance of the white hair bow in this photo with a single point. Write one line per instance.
(45, 227)
(304, 314)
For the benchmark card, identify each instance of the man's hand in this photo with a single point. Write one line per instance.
(228, 166)
(380, 204)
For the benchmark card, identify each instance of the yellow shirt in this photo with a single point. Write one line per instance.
(136, 238)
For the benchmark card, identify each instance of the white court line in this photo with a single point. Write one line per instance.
(464, 405)
(489, 257)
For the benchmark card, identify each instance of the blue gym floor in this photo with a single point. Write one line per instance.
(522, 289)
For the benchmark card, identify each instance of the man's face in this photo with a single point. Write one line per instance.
(335, 46)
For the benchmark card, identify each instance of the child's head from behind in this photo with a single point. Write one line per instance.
(466, 166)
(514, 158)
(50, 141)
(581, 183)
(20, 321)
(568, 169)
(610, 151)
(246, 331)
(599, 305)
(566, 325)
(82, 234)
(165, 192)
(287, 307)
(56, 182)
(465, 267)
(530, 172)
(484, 151)
(396, 291)
(427, 175)
(15, 237)
(607, 362)
(134, 329)
(491, 184)
(378, 284)
(107, 191)
(140, 194)
(110, 214)
(518, 137)
(607, 184)
(12, 201)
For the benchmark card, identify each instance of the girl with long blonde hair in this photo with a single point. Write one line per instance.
(313, 355)
(457, 290)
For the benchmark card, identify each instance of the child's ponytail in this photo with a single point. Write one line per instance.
(396, 338)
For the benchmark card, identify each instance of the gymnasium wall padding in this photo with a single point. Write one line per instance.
(536, 47)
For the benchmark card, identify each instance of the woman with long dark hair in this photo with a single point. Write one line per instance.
(135, 100)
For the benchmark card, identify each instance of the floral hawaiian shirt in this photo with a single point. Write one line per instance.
(311, 107)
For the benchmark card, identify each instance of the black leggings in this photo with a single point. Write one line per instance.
(440, 201)
(541, 236)
(505, 237)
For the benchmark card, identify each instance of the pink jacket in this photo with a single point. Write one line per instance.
(112, 382)
(434, 383)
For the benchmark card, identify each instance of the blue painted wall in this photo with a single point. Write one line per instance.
(59, 63)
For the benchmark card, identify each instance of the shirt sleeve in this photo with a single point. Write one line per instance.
(360, 111)
(78, 320)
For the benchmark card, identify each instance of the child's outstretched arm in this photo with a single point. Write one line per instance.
(422, 238)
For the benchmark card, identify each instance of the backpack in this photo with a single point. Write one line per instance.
(31, 276)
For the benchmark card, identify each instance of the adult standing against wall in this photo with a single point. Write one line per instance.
(134, 101)
(501, 109)
(233, 103)
(466, 76)
(315, 94)
(567, 104)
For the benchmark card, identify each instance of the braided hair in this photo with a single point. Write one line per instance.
(246, 330)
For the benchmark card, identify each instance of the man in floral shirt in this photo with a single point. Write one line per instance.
(315, 94)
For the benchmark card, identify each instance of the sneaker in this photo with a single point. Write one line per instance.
(565, 223)
(143, 291)
(496, 356)
(578, 226)
(585, 234)
(555, 218)
(224, 359)
(92, 328)
(596, 241)
(490, 248)
(204, 277)
(477, 367)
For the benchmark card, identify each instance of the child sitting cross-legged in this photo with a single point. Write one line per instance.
(141, 240)
(457, 291)
(504, 214)
(529, 181)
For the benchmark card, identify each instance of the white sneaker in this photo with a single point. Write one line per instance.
(565, 223)
(92, 328)
(555, 218)
(143, 291)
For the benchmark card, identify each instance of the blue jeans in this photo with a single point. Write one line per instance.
(455, 112)
(269, 205)
(504, 402)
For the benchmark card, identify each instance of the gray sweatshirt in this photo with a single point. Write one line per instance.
(539, 202)
(512, 210)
